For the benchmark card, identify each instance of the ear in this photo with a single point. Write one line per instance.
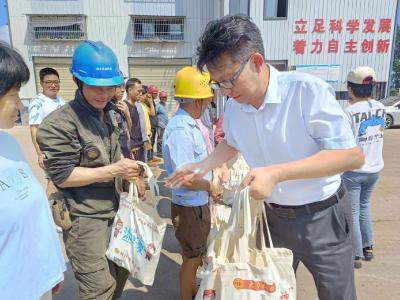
(258, 61)
(349, 90)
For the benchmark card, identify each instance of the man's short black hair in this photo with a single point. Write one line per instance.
(361, 90)
(131, 82)
(47, 71)
(13, 70)
(236, 36)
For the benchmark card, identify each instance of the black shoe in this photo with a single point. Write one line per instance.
(357, 263)
(368, 253)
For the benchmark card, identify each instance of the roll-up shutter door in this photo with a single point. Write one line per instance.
(160, 72)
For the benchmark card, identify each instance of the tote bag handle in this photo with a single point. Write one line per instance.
(264, 221)
(154, 189)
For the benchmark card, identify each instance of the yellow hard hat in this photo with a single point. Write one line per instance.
(190, 83)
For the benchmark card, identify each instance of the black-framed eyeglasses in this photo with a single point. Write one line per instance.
(228, 84)
(51, 82)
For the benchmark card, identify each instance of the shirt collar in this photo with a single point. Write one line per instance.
(188, 118)
(44, 97)
(81, 101)
(272, 95)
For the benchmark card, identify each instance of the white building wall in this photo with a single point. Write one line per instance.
(198, 14)
(109, 21)
(278, 34)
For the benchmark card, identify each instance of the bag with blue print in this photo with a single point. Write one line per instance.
(138, 232)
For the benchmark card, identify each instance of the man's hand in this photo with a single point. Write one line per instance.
(216, 191)
(149, 100)
(127, 169)
(40, 160)
(261, 182)
(222, 174)
(57, 288)
(186, 174)
(122, 106)
(141, 187)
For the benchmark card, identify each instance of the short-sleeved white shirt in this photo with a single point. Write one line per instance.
(41, 106)
(31, 259)
(299, 117)
(367, 119)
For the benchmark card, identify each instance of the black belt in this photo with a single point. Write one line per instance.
(308, 209)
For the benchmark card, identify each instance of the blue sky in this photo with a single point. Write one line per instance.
(3, 13)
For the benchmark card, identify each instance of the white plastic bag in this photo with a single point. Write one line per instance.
(137, 233)
(237, 269)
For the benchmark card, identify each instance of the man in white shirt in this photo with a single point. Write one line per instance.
(299, 143)
(40, 106)
(367, 119)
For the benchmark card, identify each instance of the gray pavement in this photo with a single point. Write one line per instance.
(378, 279)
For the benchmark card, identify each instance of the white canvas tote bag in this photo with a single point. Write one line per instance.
(138, 232)
(237, 269)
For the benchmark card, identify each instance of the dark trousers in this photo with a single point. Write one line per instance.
(160, 134)
(150, 152)
(322, 241)
(86, 244)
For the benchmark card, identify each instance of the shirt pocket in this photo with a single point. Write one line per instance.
(92, 154)
(199, 147)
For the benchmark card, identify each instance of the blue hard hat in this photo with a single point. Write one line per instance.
(96, 64)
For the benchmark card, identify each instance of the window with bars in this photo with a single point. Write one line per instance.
(57, 28)
(281, 65)
(241, 7)
(275, 9)
(154, 28)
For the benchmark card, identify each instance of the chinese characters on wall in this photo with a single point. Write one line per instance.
(379, 43)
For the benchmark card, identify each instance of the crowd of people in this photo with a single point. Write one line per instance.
(288, 126)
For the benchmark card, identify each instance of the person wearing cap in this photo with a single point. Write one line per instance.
(162, 119)
(367, 119)
(184, 143)
(297, 141)
(80, 143)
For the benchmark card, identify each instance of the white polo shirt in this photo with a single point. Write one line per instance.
(41, 106)
(299, 117)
